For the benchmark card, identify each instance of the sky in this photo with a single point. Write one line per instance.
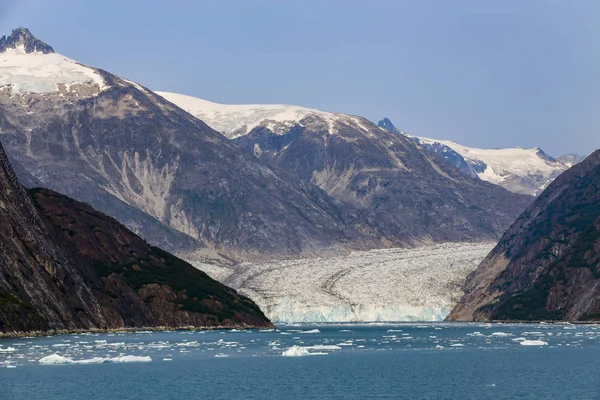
(482, 73)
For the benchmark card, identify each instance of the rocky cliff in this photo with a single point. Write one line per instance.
(65, 266)
(547, 265)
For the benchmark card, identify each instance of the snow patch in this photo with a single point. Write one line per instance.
(43, 73)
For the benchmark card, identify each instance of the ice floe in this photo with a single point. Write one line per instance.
(55, 359)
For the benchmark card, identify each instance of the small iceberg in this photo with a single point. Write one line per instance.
(533, 343)
(311, 331)
(299, 351)
(55, 359)
(8, 350)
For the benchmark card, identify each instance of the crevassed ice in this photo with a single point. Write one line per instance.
(420, 284)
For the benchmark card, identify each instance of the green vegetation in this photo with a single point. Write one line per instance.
(204, 294)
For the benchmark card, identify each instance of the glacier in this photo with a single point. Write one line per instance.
(409, 284)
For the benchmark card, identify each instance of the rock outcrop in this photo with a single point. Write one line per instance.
(547, 265)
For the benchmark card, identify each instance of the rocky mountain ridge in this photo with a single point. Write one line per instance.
(547, 265)
(401, 194)
(21, 37)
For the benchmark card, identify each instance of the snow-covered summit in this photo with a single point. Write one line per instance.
(517, 169)
(237, 120)
(28, 65)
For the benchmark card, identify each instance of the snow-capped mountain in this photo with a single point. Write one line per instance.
(165, 174)
(526, 171)
(401, 193)
(27, 65)
(571, 159)
(235, 121)
(420, 284)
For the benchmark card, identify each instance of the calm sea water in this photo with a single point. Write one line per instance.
(392, 361)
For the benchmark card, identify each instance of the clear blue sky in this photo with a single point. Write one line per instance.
(483, 73)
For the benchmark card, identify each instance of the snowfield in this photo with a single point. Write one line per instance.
(504, 165)
(42, 73)
(420, 284)
(238, 120)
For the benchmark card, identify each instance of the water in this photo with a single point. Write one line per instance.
(424, 361)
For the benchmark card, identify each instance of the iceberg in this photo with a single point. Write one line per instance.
(533, 343)
(299, 351)
(55, 359)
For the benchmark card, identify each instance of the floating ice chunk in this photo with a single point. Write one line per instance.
(299, 351)
(8, 350)
(128, 359)
(439, 347)
(324, 347)
(221, 355)
(533, 343)
(519, 339)
(54, 359)
(501, 334)
(311, 331)
(167, 359)
(457, 345)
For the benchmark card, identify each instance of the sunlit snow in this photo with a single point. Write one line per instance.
(237, 120)
(42, 73)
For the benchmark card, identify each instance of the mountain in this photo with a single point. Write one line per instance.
(160, 171)
(571, 159)
(547, 265)
(525, 171)
(65, 266)
(401, 194)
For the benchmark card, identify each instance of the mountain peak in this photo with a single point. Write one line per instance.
(22, 37)
(388, 125)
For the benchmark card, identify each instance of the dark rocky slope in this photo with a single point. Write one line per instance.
(65, 266)
(547, 265)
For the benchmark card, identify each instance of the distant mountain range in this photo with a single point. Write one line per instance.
(519, 170)
(291, 182)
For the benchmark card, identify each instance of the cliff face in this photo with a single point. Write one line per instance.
(64, 265)
(547, 265)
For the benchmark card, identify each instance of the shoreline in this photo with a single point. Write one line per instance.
(55, 332)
